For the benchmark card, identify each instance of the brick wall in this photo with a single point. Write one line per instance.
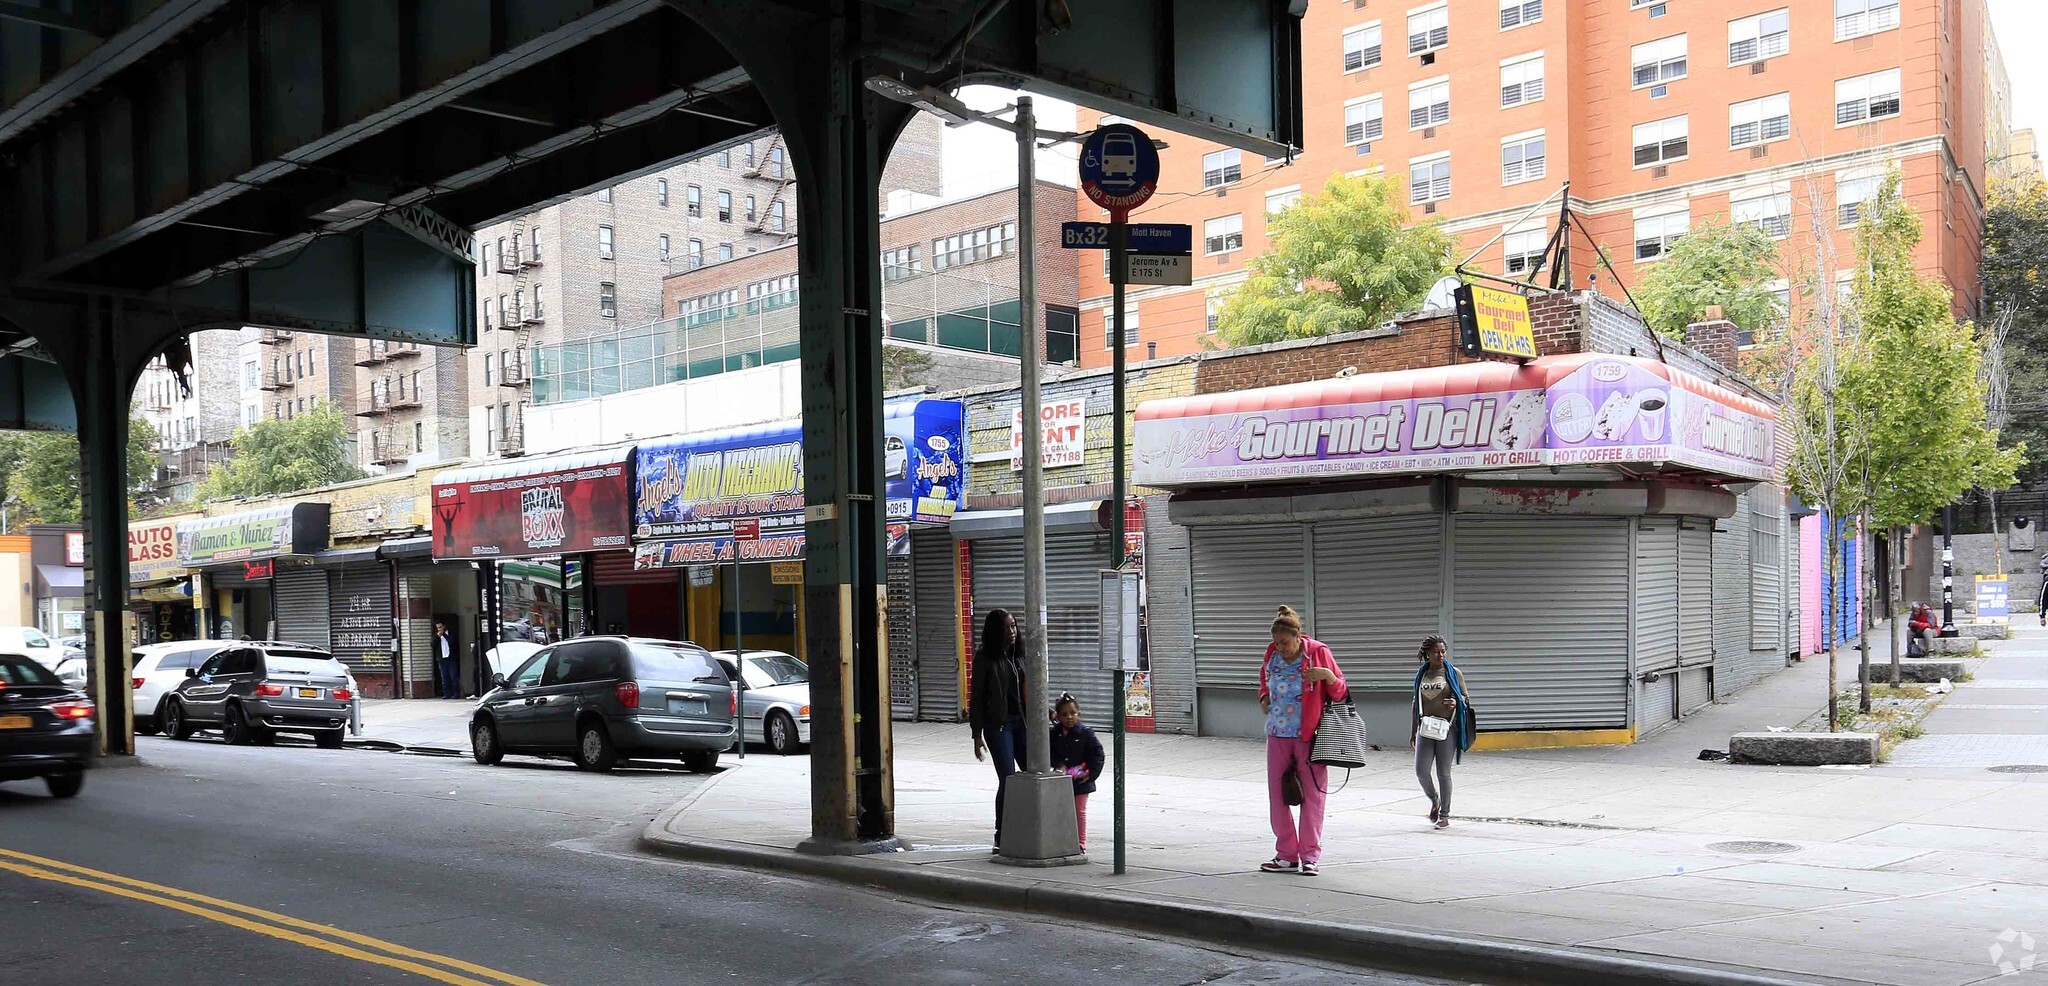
(1716, 340)
(1411, 342)
(990, 413)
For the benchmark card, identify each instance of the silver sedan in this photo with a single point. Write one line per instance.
(778, 698)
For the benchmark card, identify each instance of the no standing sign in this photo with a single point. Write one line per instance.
(1119, 169)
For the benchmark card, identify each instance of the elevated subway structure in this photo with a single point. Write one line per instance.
(177, 165)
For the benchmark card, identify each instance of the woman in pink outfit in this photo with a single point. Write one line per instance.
(1296, 678)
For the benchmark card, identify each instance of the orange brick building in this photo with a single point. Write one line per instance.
(1660, 113)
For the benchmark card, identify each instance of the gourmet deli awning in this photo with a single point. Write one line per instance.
(523, 508)
(1581, 409)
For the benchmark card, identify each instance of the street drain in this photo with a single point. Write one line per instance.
(2021, 768)
(1754, 848)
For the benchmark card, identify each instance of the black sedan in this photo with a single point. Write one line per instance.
(46, 727)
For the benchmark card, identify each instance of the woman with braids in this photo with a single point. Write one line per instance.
(1440, 703)
(1297, 677)
(996, 700)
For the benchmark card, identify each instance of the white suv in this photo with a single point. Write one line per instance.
(158, 669)
(29, 642)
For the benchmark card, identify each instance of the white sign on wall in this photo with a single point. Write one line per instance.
(1065, 424)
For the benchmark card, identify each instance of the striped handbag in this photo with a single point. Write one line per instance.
(1340, 737)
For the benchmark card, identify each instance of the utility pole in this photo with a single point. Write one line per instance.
(1948, 571)
(1037, 730)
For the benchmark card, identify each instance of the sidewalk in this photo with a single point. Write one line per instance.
(437, 724)
(1906, 873)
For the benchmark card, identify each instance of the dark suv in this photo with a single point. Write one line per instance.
(254, 690)
(600, 699)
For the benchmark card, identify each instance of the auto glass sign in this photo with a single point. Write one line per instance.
(153, 551)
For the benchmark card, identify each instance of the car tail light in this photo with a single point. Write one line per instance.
(270, 690)
(735, 704)
(80, 709)
(138, 683)
(342, 694)
(628, 693)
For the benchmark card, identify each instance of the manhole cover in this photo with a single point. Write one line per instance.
(1754, 848)
(2021, 768)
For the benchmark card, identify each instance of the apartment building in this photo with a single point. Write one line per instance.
(193, 419)
(1660, 114)
(592, 267)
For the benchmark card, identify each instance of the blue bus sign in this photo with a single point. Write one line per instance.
(1140, 238)
(1119, 168)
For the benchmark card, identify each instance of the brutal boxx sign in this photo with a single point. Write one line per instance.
(558, 505)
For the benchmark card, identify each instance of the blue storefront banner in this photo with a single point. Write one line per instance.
(924, 460)
(688, 490)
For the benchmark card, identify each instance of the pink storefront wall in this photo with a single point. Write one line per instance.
(1811, 555)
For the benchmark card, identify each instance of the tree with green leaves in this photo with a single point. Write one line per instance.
(1917, 395)
(272, 456)
(2016, 286)
(1341, 260)
(1714, 263)
(44, 473)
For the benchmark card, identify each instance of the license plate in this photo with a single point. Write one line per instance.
(16, 722)
(690, 707)
(309, 693)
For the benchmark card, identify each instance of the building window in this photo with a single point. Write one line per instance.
(1657, 62)
(518, 304)
(513, 257)
(490, 366)
(975, 246)
(695, 257)
(724, 206)
(501, 312)
(1362, 47)
(1521, 81)
(1524, 250)
(693, 201)
(312, 361)
(1515, 13)
(1130, 333)
(1429, 29)
(1429, 180)
(1522, 159)
(775, 162)
(1655, 234)
(1760, 121)
(1222, 167)
(538, 313)
(1850, 197)
(1770, 213)
(1753, 39)
(502, 255)
(725, 158)
(1867, 97)
(1429, 103)
(1856, 18)
(1214, 306)
(250, 375)
(604, 194)
(752, 211)
(533, 242)
(747, 154)
(1363, 120)
(485, 268)
(661, 192)
(725, 251)
(1662, 141)
(607, 299)
(1281, 199)
(777, 221)
(1223, 234)
(604, 243)
(900, 263)
(662, 242)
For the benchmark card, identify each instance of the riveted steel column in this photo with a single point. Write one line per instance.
(103, 394)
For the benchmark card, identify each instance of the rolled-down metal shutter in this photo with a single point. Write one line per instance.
(1378, 588)
(1542, 620)
(1241, 575)
(938, 621)
(1732, 578)
(1073, 609)
(302, 606)
(1169, 621)
(1695, 688)
(902, 639)
(361, 625)
(1657, 595)
(1656, 703)
(1695, 591)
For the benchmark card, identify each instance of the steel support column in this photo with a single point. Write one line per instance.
(105, 382)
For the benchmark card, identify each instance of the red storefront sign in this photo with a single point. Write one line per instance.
(257, 571)
(558, 505)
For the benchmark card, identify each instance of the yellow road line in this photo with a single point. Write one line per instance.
(279, 926)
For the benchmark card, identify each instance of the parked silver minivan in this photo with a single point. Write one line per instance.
(603, 699)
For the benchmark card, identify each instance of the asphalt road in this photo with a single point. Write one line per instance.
(221, 864)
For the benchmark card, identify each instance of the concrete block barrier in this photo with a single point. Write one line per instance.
(1803, 749)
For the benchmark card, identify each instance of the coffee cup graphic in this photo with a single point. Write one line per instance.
(1653, 407)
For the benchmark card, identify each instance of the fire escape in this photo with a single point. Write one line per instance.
(772, 165)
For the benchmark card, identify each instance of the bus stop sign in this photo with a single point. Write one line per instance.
(1119, 168)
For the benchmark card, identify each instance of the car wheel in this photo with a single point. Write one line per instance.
(176, 726)
(701, 761)
(329, 740)
(65, 785)
(594, 749)
(782, 736)
(237, 730)
(483, 743)
(148, 725)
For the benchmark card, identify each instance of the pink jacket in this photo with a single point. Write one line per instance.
(1314, 654)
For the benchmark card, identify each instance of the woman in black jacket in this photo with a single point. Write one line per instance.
(1077, 753)
(996, 701)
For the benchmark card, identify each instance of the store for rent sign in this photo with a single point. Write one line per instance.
(1064, 425)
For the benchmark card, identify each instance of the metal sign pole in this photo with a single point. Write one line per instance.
(739, 649)
(1119, 231)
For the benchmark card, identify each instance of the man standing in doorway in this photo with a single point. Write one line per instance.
(448, 683)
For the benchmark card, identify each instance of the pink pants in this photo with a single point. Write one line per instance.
(1282, 755)
(1081, 818)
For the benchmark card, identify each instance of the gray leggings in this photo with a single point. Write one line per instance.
(1441, 753)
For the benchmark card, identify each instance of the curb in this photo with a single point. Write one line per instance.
(1385, 949)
